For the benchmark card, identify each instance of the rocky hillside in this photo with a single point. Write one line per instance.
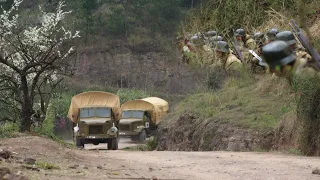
(117, 65)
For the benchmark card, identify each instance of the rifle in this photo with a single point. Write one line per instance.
(238, 52)
(305, 42)
(235, 45)
(261, 63)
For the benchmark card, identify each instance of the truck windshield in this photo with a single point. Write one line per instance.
(86, 113)
(103, 112)
(132, 114)
(95, 112)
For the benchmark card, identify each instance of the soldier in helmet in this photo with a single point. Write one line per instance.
(228, 60)
(210, 34)
(214, 40)
(207, 37)
(271, 35)
(289, 38)
(245, 40)
(259, 39)
(246, 44)
(256, 65)
(283, 61)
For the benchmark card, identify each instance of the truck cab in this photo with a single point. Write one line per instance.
(95, 119)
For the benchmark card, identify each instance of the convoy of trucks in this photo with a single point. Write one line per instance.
(98, 118)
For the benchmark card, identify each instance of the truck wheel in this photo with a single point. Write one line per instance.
(95, 142)
(113, 144)
(134, 138)
(79, 142)
(142, 136)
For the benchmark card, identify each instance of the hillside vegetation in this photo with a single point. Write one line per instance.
(251, 112)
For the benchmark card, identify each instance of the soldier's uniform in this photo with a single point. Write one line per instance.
(284, 62)
(289, 38)
(246, 44)
(256, 65)
(250, 43)
(231, 62)
(227, 60)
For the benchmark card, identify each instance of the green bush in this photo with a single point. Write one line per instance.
(131, 94)
(8, 129)
(308, 113)
(58, 107)
(152, 143)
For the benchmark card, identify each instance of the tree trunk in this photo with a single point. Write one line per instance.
(26, 106)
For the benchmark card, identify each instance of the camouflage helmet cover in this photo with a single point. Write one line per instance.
(278, 53)
(286, 36)
(222, 46)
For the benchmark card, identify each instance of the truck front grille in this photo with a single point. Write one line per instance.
(124, 127)
(95, 129)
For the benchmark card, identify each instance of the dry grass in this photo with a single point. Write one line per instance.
(315, 28)
(275, 20)
(287, 132)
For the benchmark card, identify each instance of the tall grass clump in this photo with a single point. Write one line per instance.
(308, 113)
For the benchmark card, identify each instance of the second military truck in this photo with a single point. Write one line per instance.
(139, 118)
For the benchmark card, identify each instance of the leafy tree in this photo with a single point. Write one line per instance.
(32, 57)
(88, 7)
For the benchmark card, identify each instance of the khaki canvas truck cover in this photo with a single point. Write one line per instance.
(93, 99)
(156, 106)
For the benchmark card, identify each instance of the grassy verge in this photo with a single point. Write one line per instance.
(251, 106)
(150, 145)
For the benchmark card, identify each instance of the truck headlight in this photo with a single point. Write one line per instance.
(114, 129)
(76, 129)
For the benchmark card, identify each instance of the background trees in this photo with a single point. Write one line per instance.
(34, 57)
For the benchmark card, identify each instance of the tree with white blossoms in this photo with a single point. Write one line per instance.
(31, 57)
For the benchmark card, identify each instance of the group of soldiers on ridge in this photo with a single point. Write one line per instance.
(282, 53)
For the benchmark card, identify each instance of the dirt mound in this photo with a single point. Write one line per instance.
(36, 146)
(191, 133)
(5, 174)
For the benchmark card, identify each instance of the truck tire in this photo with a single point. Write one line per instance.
(134, 138)
(113, 144)
(79, 142)
(142, 136)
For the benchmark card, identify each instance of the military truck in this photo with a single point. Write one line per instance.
(139, 118)
(95, 116)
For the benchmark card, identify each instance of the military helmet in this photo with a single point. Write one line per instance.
(278, 53)
(259, 37)
(222, 46)
(271, 34)
(210, 33)
(193, 38)
(217, 38)
(286, 36)
(240, 32)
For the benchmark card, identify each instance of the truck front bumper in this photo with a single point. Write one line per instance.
(128, 133)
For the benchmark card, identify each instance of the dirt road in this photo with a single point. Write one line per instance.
(98, 164)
